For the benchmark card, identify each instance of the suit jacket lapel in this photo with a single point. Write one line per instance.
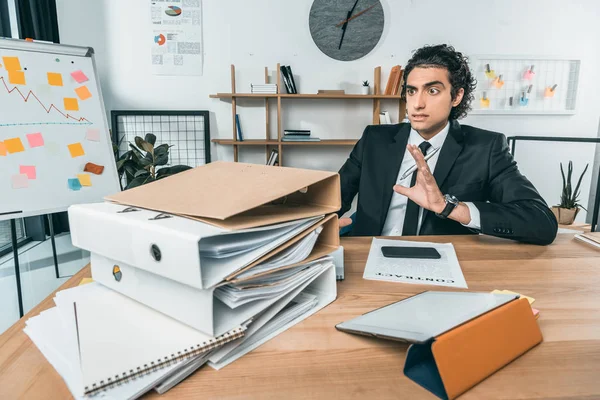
(392, 161)
(450, 150)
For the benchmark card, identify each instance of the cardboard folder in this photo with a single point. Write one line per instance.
(453, 362)
(234, 195)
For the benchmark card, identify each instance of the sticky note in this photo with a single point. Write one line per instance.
(84, 179)
(28, 170)
(523, 101)
(76, 150)
(71, 104)
(20, 181)
(85, 281)
(93, 135)
(53, 148)
(14, 145)
(83, 92)
(74, 184)
(3, 150)
(16, 77)
(548, 92)
(79, 76)
(498, 83)
(529, 75)
(55, 79)
(35, 139)
(529, 299)
(485, 103)
(93, 168)
(11, 63)
(490, 74)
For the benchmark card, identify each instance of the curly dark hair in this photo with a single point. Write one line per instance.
(456, 63)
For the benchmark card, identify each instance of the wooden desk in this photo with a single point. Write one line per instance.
(314, 360)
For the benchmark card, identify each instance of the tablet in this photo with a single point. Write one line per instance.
(420, 318)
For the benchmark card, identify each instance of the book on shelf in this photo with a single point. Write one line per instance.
(288, 79)
(384, 118)
(273, 158)
(299, 138)
(331, 91)
(299, 132)
(264, 88)
(394, 80)
(239, 128)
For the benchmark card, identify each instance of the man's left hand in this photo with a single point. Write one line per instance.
(425, 192)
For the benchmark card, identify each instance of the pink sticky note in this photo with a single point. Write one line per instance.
(93, 135)
(79, 76)
(35, 139)
(529, 75)
(20, 181)
(28, 170)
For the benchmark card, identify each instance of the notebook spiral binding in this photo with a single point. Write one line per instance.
(153, 366)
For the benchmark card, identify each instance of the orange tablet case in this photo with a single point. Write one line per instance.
(455, 361)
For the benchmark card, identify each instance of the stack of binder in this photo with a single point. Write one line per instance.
(267, 88)
(189, 271)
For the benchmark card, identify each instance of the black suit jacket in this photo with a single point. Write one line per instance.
(474, 165)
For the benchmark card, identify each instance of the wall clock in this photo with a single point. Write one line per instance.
(346, 30)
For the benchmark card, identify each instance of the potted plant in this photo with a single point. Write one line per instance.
(365, 87)
(569, 205)
(145, 162)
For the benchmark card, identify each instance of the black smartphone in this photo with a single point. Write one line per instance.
(410, 252)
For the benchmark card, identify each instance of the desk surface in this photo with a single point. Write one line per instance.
(314, 360)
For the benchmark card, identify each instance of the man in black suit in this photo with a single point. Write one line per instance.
(475, 185)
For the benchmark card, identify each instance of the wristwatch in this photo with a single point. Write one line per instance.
(451, 203)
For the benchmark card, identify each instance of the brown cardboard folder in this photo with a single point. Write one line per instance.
(235, 195)
(453, 362)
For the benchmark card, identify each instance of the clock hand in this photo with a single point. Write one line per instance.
(356, 15)
(344, 30)
(346, 23)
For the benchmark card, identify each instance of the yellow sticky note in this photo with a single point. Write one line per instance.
(485, 103)
(85, 281)
(3, 150)
(83, 92)
(55, 79)
(76, 150)
(14, 145)
(71, 104)
(16, 77)
(84, 179)
(529, 299)
(11, 63)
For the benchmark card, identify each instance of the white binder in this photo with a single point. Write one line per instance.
(181, 249)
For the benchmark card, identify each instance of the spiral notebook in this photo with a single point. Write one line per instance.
(119, 339)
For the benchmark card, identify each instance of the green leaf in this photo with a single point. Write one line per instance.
(168, 171)
(161, 160)
(136, 151)
(142, 144)
(579, 181)
(140, 180)
(163, 149)
(141, 172)
(150, 138)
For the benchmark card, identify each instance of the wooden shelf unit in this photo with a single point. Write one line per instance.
(376, 98)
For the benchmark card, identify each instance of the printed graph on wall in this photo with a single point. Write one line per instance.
(520, 85)
(55, 147)
(187, 132)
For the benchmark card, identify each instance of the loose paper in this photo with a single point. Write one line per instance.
(445, 271)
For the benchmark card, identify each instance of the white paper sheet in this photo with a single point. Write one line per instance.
(445, 271)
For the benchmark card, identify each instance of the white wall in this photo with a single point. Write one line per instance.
(258, 33)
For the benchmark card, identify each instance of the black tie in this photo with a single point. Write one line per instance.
(411, 218)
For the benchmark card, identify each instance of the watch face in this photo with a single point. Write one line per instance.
(451, 199)
(346, 30)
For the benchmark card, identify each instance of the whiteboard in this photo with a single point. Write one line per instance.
(52, 124)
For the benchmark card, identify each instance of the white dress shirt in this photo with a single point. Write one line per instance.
(394, 221)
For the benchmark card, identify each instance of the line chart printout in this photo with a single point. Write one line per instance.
(55, 147)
